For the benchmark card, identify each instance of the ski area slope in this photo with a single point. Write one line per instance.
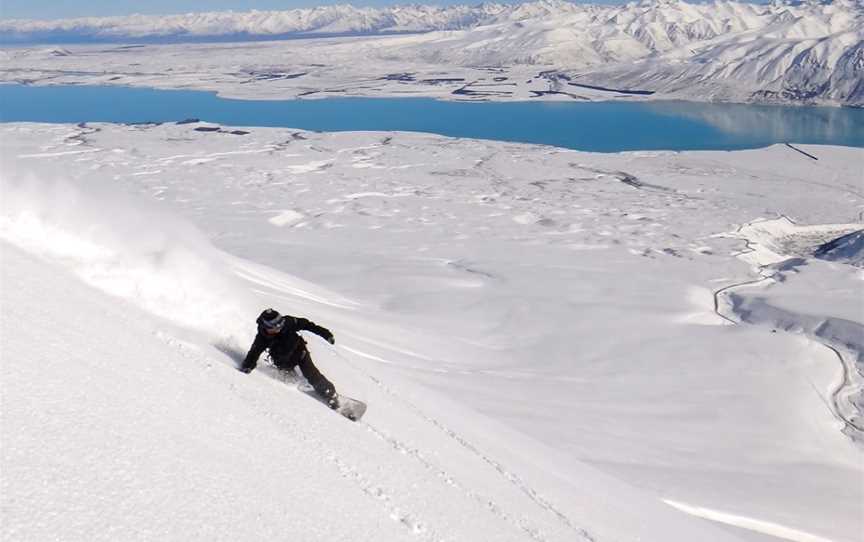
(539, 334)
(786, 52)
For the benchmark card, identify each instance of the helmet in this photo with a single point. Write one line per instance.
(271, 321)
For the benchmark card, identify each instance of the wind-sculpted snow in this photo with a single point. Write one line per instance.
(783, 52)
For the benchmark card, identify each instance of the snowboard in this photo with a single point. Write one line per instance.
(351, 408)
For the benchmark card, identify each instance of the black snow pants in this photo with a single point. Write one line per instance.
(299, 357)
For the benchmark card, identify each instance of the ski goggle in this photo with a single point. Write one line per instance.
(272, 328)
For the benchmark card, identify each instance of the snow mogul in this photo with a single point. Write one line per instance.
(279, 334)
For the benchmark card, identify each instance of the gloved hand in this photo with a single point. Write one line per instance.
(246, 368)
(331, 339)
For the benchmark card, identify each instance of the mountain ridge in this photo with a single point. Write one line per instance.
(784, 52)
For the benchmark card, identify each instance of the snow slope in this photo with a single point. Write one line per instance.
(119, 425)
(783, 52)
(533, 328)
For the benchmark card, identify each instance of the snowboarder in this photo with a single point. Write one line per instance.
(278, 333)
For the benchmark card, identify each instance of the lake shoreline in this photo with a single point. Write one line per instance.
(610, 126)
(591, 92)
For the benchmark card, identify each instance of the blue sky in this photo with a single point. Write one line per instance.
(58, 9)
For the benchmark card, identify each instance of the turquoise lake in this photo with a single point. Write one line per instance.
(588, 126)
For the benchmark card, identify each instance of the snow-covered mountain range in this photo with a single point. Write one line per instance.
(801, 52)
(338, 19)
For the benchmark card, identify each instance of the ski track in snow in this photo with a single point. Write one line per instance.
(402, 512)
(511, 478)
(482, 500)
(424, 459)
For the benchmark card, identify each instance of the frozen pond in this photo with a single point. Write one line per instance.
(588, 126)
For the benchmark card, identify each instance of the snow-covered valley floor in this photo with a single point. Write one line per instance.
(554, 345)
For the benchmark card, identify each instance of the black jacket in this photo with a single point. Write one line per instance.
(285, 343)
